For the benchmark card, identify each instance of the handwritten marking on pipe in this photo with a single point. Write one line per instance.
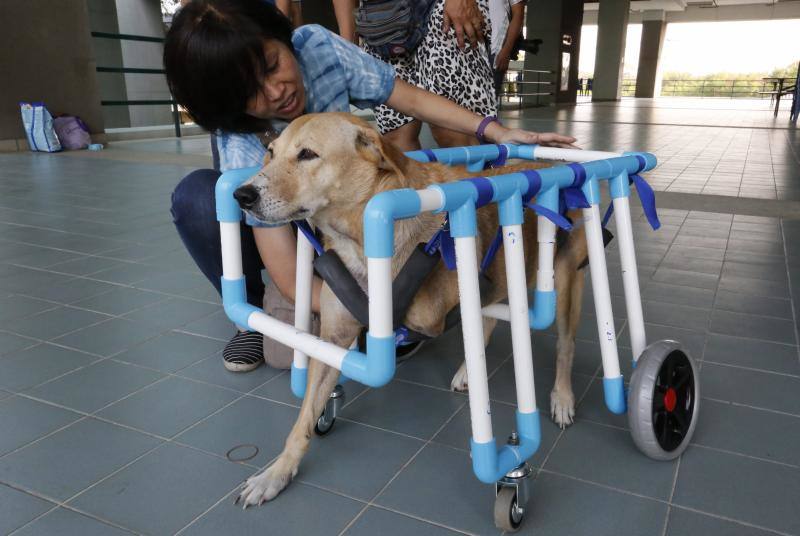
(513, 237)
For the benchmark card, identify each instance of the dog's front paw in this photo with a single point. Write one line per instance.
(265, 486)
(459, 382)
(562, 407)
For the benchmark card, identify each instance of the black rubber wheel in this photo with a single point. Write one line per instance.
(321, 428)
(663, 400)
(507, 516)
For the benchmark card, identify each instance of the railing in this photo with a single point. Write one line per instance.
(738, 88)
(518, 83)
(176, 116)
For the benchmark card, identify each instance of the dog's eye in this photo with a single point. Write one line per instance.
(306, 154)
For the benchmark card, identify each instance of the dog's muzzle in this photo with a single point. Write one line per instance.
(247, 196)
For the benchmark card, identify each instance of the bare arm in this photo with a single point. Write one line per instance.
(277, 247)
(514, 29)
(285, 7)
(345, 20)
(439, 111)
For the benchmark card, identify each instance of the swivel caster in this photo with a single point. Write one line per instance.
(663, 400)
(332, 408)
(512, 496)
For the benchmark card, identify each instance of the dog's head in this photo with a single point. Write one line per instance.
(319, 161)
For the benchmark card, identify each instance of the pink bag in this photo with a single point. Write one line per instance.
(72, 132)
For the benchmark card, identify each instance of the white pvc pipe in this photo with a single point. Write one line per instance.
(430, 199)
(546, 236)
(474, 345)
(304, 276)
(287, 334)
(571, 155)
(231, 243)
(516, 281)
(379, 272)
(500, 311)
(602, 293)
(630, 276)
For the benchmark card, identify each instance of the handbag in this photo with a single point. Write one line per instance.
(38, 124)
(392, 27)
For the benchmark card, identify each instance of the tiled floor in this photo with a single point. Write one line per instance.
(116, 413)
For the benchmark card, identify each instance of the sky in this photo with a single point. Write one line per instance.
(707, 47)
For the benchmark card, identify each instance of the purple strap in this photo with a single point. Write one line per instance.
(485, 190)
(492, 251)
(501, 159)
(431, 155)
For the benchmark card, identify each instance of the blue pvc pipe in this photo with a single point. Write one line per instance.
(490, 464)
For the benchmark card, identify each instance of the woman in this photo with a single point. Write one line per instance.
(239, 70)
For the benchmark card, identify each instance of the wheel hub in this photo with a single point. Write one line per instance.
(670, 399)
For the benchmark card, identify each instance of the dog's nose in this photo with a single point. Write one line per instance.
(246, 196)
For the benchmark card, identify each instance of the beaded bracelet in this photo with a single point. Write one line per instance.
(482, 127)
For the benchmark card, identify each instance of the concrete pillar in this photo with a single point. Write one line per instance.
(648, 77)
(558, 25)
(612, 27)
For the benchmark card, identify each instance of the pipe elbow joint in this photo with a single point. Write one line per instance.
(543, 312)
(227, 208)
(379, 216)
(376, 367)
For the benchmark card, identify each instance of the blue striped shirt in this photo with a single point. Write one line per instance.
(336, 73)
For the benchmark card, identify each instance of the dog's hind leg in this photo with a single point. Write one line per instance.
(341, 329)
(459, 382)
(569, 287)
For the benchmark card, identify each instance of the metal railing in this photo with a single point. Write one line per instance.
(518, 84)
(176, 116)
(737, 88)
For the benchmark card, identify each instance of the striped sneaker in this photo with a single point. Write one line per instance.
(244, 352)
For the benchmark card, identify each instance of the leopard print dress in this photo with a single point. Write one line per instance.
(439, 66)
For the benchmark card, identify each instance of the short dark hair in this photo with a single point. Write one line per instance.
(214, 59)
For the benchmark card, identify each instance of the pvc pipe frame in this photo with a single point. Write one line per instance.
(376, 366)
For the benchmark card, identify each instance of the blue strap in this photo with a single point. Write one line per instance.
(485, 190)
(501, 159)
(572, 197)
(534, 184)
(305, 228)
(492, 251)
(431, 155)
(554, 217)
(647, 198)
(400, 336)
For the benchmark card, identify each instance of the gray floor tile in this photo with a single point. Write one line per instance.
(755, 246)
(18, 307)
(23, 420)
(172, 313)
(681, 316)
(752, 353)
(38, 364)
(163, 491)
(739, 488)
(108, 338)
(282, 515)
(609, 457)
(70, 460)
(754, 287)
(665, 293)
(750, 387)
(593, 407)
(85, 265)
(502, 386)
(71, 291)
(249, 421)
(585, 361)
(54, 323)
(402, 407)
(124, 274)
(212, 370)
(379, 521)
(613, 513)
(458, 432)
(683, 522)
(439, 486)
(25, 280)
(171, 351)
(173, 281)
(763, 270)
(11, 343)
(741, 429)
(365, 459)
(68, 523)
(216, 325)
(18, 508)
(169, 406)
(756, 327)
(95, 386)
(692, 341)
(754, 305)
(119, 301)
(685, 278)
(690, 264)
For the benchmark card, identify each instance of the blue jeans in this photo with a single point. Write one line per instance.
(194, 214)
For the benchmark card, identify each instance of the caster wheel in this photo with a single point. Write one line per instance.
(663, 400)
(324, 425)
(507, 513)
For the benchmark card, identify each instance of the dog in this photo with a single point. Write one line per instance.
(325, 168)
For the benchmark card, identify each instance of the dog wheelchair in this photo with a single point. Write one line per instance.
(662, 398)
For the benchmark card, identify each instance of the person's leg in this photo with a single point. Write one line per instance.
(406, 137)
(450, 138)
(194, 215)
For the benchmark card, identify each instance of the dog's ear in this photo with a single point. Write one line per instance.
(375, 149)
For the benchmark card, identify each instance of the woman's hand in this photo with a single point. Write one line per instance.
(466, 18)
(500, 134)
